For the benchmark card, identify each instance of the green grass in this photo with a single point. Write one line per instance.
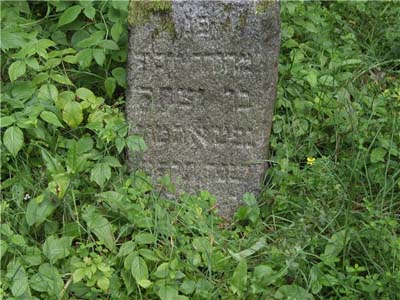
(76, 225)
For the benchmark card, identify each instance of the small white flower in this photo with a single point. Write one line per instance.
(27, 197)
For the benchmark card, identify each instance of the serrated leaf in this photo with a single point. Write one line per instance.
(139, 268)
(100, 173)
(99, 56)
(16, 69)
(56, 248)
(69, 15)
(72, 114)
(47, 280)
(13, 139)
(112, 161)
(51, 118)
(136, 143)
(99, 226)
(110, 84)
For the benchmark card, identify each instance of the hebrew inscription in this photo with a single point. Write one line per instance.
(202, 82)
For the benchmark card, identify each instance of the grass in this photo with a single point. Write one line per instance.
(75, 224)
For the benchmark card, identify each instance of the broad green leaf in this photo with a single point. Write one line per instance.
(120, 75)
(63, 98)
(239, 278)
(72, 114)
(336, 244)
(139, 268)
(99, 226)
(13, 139)
(89, 12)
(99, 56)
(63, 79)
(292, 292)
(48, 92)
(108, 44)
(56, 249)
(188, 286)
(110, 84)
(78, 274)
(3, 248)
(100, 173)
(16, 273)
(116, 30)
(168, 292)
(18, 240)
(136, 143)
(84, 57)
(378, 155)
(126, 249)
(16, 69)
(51, 118)
(47, 280)
(11, 40)
(144, 283)
(38, 210)
(59, 185)
(112, 161)
(39, 78)
(23, 89)
(33, 63)
(148, 254)
(145, 238)
(162, 270)
(53, 165)
(84, 144)
(69, 15)
(85, 94)
(103, 283)
(6, 121)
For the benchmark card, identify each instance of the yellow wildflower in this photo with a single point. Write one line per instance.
(310, 160)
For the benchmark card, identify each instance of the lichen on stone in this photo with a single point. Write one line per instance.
(140, 12)
(263, 5)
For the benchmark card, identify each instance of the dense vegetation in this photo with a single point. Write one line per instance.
(75, 224)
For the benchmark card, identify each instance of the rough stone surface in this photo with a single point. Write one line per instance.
(202, 83)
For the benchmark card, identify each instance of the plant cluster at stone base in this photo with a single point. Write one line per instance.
(76, 225)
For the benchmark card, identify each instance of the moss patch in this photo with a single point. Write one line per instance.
(140, 12)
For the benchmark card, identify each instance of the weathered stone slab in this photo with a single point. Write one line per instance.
(202, 81)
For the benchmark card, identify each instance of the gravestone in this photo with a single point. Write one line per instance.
(202, 79)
